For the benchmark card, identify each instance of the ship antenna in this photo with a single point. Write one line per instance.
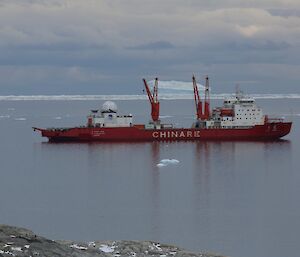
(238, 91)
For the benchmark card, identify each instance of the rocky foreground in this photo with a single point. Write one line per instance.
(22, 242)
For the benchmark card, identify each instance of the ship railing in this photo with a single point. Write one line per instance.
(269, 119)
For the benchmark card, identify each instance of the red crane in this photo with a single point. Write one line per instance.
(202, 115)
(198, 102)
(207, 100)
(153, 98)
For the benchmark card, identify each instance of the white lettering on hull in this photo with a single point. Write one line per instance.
(97, 133)
(176, 134)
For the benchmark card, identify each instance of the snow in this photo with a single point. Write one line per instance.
(107, 249)
(162, 96)
(76, 246)
(7, 252)
(91, 244)
(19, 249)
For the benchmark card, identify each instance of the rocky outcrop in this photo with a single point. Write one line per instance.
(22, 242)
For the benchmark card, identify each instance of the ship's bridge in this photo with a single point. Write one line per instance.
(238, 111)
(108, 117)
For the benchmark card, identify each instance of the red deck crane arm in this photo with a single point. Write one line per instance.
(197, 98)
(151, 99)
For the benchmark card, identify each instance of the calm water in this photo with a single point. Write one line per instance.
(236, 198)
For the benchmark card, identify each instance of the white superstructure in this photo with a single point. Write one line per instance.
(107, 117)
(238, 111)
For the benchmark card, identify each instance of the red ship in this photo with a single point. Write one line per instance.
(238, 119)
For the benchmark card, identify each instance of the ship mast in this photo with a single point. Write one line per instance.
(153, 98)
(207, 100)
(197, 98)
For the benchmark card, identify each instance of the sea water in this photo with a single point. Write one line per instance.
(235, 198)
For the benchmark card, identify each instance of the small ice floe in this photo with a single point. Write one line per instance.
(166, 162)
(20, 119)
(172, 253)
(11, 109)
(165, 116)
(26, 246)
(57, 118)
(107, 249)
(162, 255)
(12, 236)
(76, 246)
(133, 254)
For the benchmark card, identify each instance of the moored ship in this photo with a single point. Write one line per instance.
(238, 119)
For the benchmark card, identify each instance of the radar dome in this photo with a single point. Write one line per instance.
(109, 106)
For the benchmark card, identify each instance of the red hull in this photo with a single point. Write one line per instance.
(269, 131)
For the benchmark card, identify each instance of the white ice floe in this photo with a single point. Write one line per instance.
(107, 249)
(12, 236)
(20, 119)
(166, 162)
(76, 246)
(27, 246)
(57, 118)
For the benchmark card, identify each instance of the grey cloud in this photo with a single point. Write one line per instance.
(158, 45)
(57, 46)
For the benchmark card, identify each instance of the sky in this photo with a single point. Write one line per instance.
(108, 46)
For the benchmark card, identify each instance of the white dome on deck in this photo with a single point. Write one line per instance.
(109, 106)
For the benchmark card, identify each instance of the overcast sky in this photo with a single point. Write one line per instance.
(103, 47)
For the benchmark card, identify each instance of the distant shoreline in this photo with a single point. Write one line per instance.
(133, 97)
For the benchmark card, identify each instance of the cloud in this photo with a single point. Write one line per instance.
(159, 45)
(71, 41)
